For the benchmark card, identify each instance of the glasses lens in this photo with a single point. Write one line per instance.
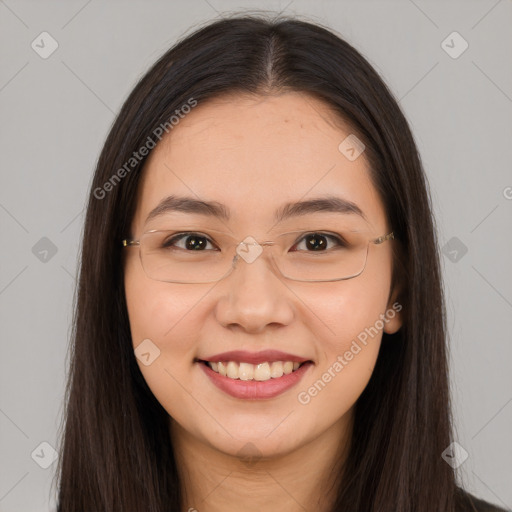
(204, 257)
(321, 256)
(185, 256)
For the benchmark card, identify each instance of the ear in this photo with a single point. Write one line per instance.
(394, 313)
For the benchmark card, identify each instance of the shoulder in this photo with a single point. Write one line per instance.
(466, 502)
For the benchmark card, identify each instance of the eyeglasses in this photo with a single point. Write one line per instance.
(194, 257)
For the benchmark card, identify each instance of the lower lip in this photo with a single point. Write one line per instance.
(253, 389)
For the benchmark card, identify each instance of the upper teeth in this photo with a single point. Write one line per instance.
(248, 371)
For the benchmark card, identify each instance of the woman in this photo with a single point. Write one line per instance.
(260, 321)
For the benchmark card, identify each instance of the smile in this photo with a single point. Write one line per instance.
(259, 372)
(259, 381)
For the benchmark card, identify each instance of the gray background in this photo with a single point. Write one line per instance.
(56, 112)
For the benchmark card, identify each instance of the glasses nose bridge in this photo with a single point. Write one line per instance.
(243, 252)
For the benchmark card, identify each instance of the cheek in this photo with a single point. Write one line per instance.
(354, 342)
(156, 310)
(348, 353)
(348, 309)
(352, 313)
(164, 315)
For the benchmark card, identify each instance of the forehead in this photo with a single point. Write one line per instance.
(253, 154)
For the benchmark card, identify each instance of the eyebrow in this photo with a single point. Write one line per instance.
(332, 204)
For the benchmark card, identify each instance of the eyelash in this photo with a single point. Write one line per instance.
(179, 236)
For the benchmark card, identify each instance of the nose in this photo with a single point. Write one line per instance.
(254, 295)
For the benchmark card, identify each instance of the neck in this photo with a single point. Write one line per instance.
(305, 479)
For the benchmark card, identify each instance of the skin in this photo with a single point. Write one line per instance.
(253, 154)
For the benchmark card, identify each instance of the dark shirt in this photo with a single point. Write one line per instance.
(470, 503)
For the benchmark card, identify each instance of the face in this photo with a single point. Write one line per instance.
(253, 155)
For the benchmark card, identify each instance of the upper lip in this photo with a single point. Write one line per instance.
(242, 356)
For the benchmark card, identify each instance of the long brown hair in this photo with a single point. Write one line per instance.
(116, 452)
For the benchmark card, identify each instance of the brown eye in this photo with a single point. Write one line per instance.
(319, 242)
(193, 241)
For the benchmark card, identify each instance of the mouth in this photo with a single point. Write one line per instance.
(254, 376)
(253, 372)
